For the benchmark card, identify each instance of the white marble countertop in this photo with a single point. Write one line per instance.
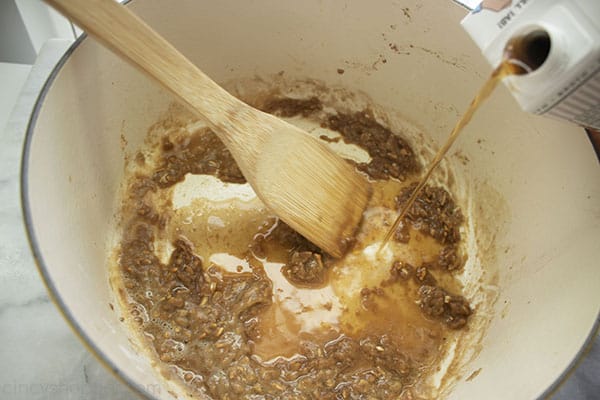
(41, 358)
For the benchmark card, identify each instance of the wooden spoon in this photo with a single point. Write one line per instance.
(308, 186)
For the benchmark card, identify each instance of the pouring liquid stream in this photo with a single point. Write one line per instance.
(511, 65)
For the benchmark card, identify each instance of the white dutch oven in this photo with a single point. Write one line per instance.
(544, 243)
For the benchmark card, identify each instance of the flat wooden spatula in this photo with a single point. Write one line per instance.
(308, 186)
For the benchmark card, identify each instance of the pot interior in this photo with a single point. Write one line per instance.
(533, 183)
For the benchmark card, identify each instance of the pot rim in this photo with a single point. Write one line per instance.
(66, 312)
(54, 295)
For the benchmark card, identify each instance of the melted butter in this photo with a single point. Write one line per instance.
(230, 263)
(219, 228)
(385, 192)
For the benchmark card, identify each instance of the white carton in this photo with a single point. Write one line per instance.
(567, 84)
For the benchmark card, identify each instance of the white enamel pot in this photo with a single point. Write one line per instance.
(545, 241)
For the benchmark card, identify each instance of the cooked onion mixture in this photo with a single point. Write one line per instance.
(239, 306)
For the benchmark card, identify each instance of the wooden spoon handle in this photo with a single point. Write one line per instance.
(130, 37)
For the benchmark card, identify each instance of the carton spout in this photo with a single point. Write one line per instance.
(528, 51)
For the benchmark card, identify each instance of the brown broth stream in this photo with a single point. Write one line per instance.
(506, 68)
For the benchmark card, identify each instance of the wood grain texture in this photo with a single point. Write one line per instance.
(307, 185)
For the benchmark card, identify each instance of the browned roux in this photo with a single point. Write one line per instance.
(238, 305)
